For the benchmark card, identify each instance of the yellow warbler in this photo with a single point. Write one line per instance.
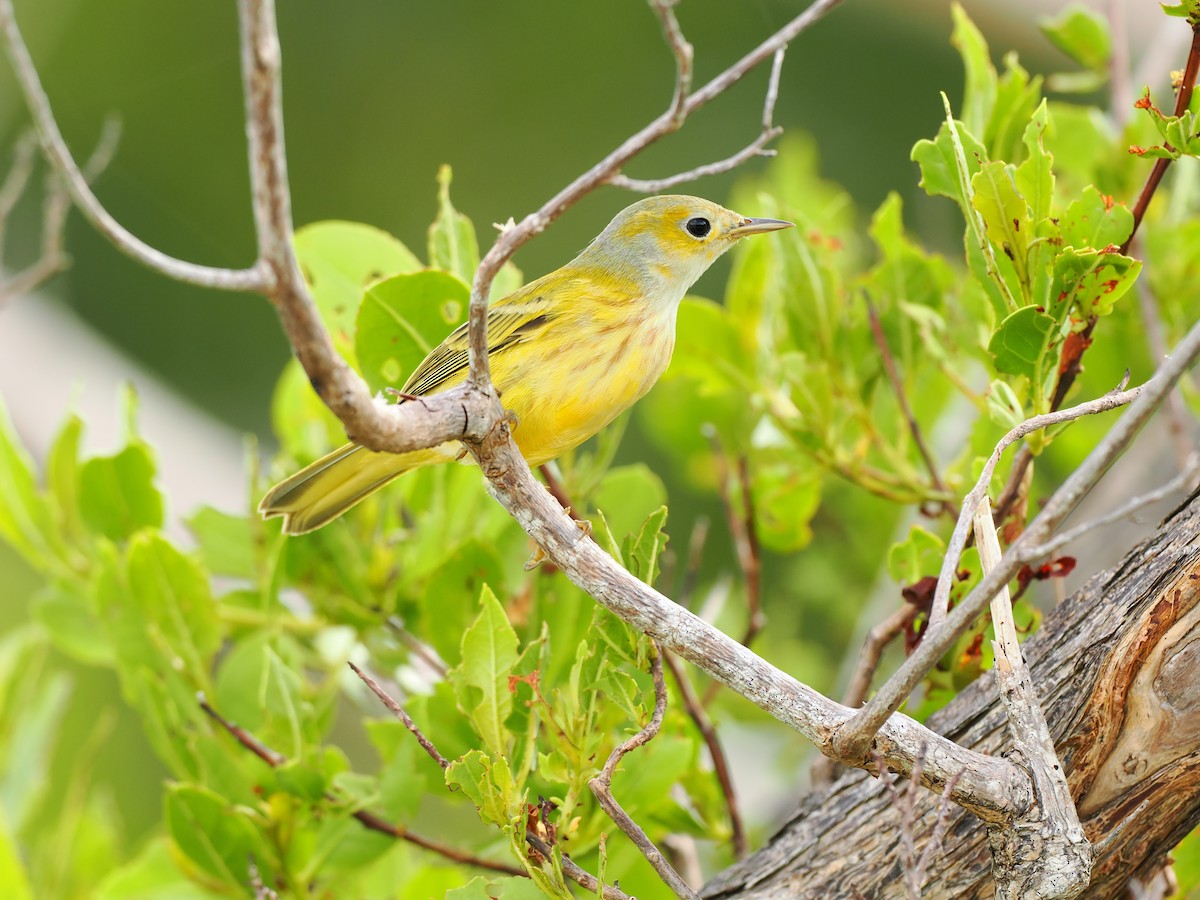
(569, 352)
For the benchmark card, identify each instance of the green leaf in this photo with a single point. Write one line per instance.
(339, 260)
(487, 782)
(72, 624)
(12, 871)
(1082, 34)
(1017, 96)
(489, 653)
(1019, 344)
(226, 542)
(1005, 216)
(25, 519)
(477, 888)
(117, 494)
(1095, 220)
(642, 553)
(786, 497)
(980, 93)
(628, 496)
(62, 475)
(212, 833)
(1091, 281)
(452, 243)
(304, 425)
(1035, 176)
(708, 346)
(152, 875)
(170, 590)
(918, 555)
(1003, 406)
(402, 319)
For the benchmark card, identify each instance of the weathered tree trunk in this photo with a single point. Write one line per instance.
(1117, 669)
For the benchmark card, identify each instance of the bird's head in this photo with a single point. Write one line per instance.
(666, 243)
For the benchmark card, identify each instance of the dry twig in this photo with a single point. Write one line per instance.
(893, 374)
(695, 709)
(601, 786)
(367, 819)
(405, 718)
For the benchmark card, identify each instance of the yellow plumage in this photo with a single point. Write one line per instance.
(569, 352)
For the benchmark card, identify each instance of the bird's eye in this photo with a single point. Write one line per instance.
(698, 227)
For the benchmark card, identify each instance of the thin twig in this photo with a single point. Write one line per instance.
(555, 487)
(757, 147)
(893, 373)
(962, 528)
(601, 786)
(695, 709)
(55, 148)
(684, 56)
(367, 819)
(824, 770)
(853, 740)
(912, 865)
(52, 259)
(1185, 480)
(1182, 100)
(577, 874)
(745, 542)
(398, 711)
(17, 179)
(534, 223)
(1178, 417)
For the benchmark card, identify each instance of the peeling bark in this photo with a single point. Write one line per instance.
(1117, 669)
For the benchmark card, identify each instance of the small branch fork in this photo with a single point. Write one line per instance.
(854, 740)
(570, 869)
(601, 786)
(893, 374)
(368, 819)
(51, 257)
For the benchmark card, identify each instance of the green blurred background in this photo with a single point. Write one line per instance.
(518, 98)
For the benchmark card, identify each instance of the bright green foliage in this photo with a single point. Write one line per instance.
(1083, 35)
(779, 397)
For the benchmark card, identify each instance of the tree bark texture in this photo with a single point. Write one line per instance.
(1117, 669)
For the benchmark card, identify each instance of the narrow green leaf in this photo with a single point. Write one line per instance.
(170, 590)
(25, 519)
(452, 242)
(642, 553)
(980, 92)
(1005, 217)
(489, 653)
(1035, 176)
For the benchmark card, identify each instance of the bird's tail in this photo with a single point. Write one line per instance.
(322, 491)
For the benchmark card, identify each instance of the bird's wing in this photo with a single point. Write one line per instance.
(510, 321)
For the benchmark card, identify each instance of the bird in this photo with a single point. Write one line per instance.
(569, 352)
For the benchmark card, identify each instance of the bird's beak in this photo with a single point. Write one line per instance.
(759, 226)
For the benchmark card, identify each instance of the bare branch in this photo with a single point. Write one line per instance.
(1061, 865)
(684, 55)
(1178, 417)
(695, 710)
(601, 786)
(367, 819)
(854, 739)
(1185, 480)
(51, 258)
(56, 150)
(405, 718)
(958, 540)
(893, 374)
(757, 147)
